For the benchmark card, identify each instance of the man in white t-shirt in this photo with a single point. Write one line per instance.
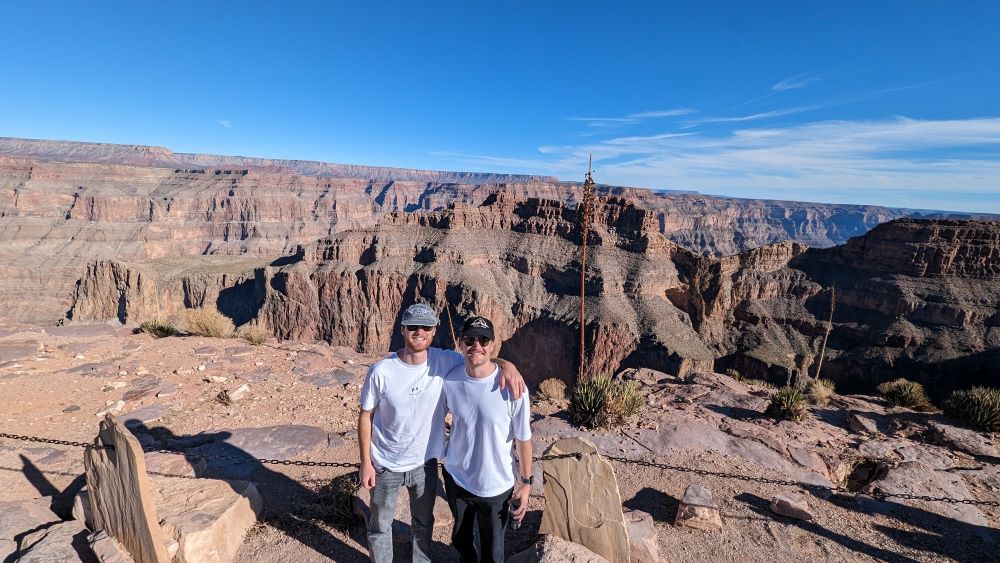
(401, 431)
(481, 477)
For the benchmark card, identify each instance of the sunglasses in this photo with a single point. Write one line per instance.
(415, 328)
(471, 340)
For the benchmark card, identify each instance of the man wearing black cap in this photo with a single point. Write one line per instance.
(481, 477)
(401, 430)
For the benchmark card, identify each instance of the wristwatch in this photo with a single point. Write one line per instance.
(528, 481)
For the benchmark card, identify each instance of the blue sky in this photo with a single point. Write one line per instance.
(890, 103)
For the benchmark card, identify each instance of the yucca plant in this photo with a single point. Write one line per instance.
(820, 391)
(905, 393)
(787, 403)
(602, 402)
(979, 406)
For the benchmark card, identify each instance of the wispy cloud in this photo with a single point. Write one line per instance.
(225, 123)
(796, 82)
(902, 162)
(632, 118)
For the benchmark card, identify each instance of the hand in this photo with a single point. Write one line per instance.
(511, 378)
(521, 494)
(367, 476)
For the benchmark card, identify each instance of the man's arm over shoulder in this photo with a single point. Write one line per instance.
(510, 378)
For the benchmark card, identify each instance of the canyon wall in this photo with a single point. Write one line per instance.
(63, 204)
(914, 298)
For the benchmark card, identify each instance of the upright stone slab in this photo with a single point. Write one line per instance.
(582, 501)
(120, 494)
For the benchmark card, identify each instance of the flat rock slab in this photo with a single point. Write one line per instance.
(553, 549)
(10, 351)
(167, 388)
(271, 442)
(239, 351)
(918, 478)
(963, 439)
(144, 415)
(694, 435)
(87, 330)
(142, 387)
(107, 549)
(205, 351)
(64, 542)
(443, 519)
(204, 520)
(97, 369)
(258, 376)
(335, 378)
(19, 517)
(174, 465)
(698, 510)
(51, 456)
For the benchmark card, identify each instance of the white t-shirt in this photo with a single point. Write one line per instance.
(485, 421)
(408, 423)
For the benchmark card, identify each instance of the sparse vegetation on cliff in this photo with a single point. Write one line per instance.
(820, 391)
(905, 393)
(553, 389)
(602, 402)
(254, 334)
(158, 328)
(788, 403)
(979, 406)
(210, 322)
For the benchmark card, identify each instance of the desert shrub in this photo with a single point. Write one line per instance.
(254, 334)
(979, 406)
(206, 321)
(602, 402)
(553, 389)
(735, 374)
(158, 328)
(820, 391)
(787, 403)
(905, 393)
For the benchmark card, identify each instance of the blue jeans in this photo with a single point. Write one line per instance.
(422, 485)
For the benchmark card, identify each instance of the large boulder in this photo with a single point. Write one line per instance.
(204, 520)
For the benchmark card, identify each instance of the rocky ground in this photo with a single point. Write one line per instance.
(301, 405)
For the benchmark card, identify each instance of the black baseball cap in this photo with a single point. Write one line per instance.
(478, 326)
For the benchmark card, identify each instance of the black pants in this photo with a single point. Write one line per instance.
(491, 513)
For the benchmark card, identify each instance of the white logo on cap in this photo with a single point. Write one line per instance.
(479, 323)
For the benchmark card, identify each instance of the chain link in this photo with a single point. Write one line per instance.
(51, 441)
(881, 495)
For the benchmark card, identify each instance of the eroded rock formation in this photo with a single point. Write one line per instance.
(63, 204)
(914, 298)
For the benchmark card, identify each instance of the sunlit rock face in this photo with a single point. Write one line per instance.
(64, 204)
(650, 302)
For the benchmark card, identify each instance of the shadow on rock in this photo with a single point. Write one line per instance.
(661, 506)
(762, 507)
(287, 504)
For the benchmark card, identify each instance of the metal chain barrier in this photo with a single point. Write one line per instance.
(642, 463)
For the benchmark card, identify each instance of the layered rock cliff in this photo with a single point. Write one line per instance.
(650, 302)
(63, 204)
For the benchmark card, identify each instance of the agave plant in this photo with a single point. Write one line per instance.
(979, 406)
(787, 403)
(602, 402)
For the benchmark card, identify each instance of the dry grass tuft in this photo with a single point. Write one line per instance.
(210, 322)
(553, 389)
(254, 334)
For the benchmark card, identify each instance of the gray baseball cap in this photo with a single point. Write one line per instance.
(419, 315)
